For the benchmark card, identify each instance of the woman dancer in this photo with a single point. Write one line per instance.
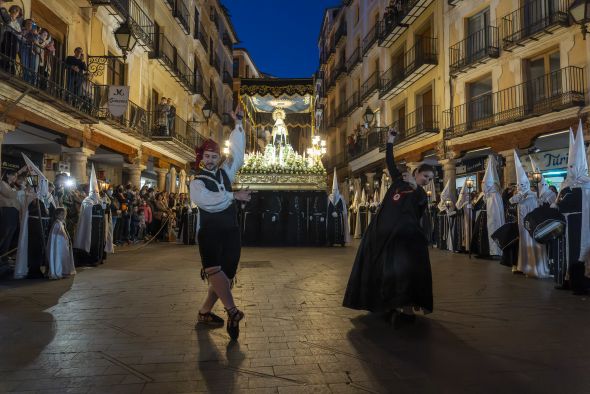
(391, 272)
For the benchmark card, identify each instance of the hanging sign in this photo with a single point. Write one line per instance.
(551, 160)
(118, 99)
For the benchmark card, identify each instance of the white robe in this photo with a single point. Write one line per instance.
(59, 252)
(21, 269)
(495, 214)
(532, 256)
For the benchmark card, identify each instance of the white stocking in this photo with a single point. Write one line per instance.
(209, 301)
(221, 286)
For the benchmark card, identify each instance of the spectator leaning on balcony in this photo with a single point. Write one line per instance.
(163, 111)
(47, 51)
(9, 46)
(171, 115)
(76, 68)
(28, 51)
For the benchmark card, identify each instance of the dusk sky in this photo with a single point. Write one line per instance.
(280, 35)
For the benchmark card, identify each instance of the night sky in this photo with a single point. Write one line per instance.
(280, 35)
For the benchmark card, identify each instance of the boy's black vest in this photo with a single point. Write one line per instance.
(217, 182)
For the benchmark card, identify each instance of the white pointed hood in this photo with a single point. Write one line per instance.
(579, 164)
(363, 201)
(490, 182)
(376, 197)
(335, 196)
(523, 184)
(446, 195)
(43, 183)
(93, 190)
(432, 188)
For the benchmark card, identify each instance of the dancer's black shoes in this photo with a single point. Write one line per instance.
(234, 315)
(209, 319)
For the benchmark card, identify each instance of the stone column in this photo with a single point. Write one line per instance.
(450, 173)
(509, 167)
(5, 128)
(135, 174)
(161, 178)
(78, 161)
(370, 179)
(172, 180)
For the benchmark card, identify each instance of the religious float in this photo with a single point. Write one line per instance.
(289, 202)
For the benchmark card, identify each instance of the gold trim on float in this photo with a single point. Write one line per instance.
(282, 181)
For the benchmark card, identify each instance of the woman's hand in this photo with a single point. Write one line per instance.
(391, 134)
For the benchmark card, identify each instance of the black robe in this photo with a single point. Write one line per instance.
(336, 223)
(392, 266)
(96, 254)
(510, 253)
(250, 220)
(317, 221)
(188, 225)
(296, 225)
(351, 220)
(480, 243)
(271, 223)
(569, 203)
(38, 233)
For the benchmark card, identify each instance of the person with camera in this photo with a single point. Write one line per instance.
(391, 272)
(219, 233)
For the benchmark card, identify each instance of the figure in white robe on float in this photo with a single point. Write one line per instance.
(532, 256)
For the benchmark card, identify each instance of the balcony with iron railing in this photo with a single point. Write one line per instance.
(185, 74)
(354, 60)
(532, 20)
(398, 18)
(416, 62)
(141, 24)
(340, 69)
(135, 121)
(477, 48)
(54, 82)
(180, 13)
(370, 39)
(174, 133)
(417, 125)
(556, 91)
(370, 86)
(366, 142)
(353, 103)
(198, 85)
(341, 112)
(203, 38)
(164, 52)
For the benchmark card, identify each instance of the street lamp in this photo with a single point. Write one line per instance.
(125, 38)
(448, 204)
(368, 117)
(469, 184)
(206, 111)
(580, 13)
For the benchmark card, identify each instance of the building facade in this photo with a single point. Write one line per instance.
(458, 79)
(62, 118)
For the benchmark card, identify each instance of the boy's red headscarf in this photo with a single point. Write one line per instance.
(208, 145)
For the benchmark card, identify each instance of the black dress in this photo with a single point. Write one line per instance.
(336, 223)
(392, 266)
(480, 244)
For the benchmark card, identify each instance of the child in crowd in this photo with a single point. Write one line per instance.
(59, 248)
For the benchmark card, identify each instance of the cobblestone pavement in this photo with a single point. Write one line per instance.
(128, 327)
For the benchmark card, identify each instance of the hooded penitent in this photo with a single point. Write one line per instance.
(361, 215)
(383, 188)
(546, 195)
(532, 256)
(432, 188)
(83, 237)
(446, 195)
(338, 217)
(494, 205)
(21, 268)
(577, 177)
(464, 203)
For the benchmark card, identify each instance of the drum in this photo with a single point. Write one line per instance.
(506, 235)
(544, 224)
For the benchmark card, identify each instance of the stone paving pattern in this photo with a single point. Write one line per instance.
(128, 327)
